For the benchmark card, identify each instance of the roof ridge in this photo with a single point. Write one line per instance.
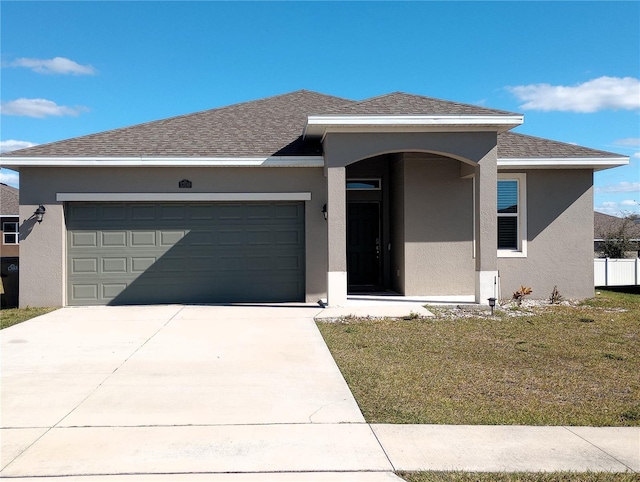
(432, 100)
(380, 96)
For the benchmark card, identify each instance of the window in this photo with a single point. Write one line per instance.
(363, 184)
(10, 233)
(511, 215)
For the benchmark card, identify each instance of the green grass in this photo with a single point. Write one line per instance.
(518, 477)
(553, 365)
(13, 316)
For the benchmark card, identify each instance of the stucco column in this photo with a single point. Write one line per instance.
(42, 251)
(337, 236)
(486, 226)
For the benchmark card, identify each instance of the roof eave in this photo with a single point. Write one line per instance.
(595, 163)
(142, 161)
(319, 125)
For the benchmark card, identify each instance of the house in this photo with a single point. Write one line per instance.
(306, 196)
(605, 226)
(9, 248)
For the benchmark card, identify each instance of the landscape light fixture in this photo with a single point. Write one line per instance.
(39, 213)
(324, 211)
(492, 304)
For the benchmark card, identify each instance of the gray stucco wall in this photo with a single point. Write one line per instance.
(42, 279)
(396, 182)
(560, 237)
(438, 227)
(431, 226)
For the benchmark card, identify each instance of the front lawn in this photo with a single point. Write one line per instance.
(13, 316)
(550, 365)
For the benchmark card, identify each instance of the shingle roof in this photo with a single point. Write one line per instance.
(399, 103)
(273, 126)
(265, 127)
(604, 224)
(513, 145)
(9, 200)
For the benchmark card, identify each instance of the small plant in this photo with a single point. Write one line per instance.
(613, 356)
(412, 316)
(519, 295)
(348, 318)
(556, 298)
(631, 414)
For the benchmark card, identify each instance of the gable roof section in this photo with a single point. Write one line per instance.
(412, 113)
(9, 200)
(400, 103)
(274, 126)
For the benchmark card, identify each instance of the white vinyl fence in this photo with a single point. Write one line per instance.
(616, 272)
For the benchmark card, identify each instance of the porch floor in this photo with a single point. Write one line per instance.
(388, 304)
(392, 298)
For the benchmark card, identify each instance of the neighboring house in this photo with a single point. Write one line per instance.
(605, 226)
(305, 196)
(9, 248)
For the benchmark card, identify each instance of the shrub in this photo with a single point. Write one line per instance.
(519, 295)
(555, 297)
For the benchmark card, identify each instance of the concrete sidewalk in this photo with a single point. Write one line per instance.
(246, 393)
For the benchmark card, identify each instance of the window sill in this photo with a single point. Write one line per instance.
(506, 253)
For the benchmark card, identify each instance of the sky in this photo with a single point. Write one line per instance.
(73, 68)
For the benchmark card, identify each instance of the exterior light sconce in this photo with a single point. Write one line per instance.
(39, 213)
(324, 211)
(492, 304)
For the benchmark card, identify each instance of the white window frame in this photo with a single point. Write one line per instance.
(5, 232)
(521, 251)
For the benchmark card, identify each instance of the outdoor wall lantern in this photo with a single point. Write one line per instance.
(39, 213)
(324, 211)
(492, 304)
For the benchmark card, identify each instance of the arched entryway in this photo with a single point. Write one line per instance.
(420, 218)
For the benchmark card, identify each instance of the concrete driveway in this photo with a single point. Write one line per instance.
(240, 393)
(178, 390)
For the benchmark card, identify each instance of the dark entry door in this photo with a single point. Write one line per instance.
(363, 245)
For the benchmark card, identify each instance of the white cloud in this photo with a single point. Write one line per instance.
(622, 186)
(57, 65)
(591, 96)
(620, 209)
(610, 208)
(12, 178)
(12, 145)
(38, 108)
(628, 142)
(636, 155)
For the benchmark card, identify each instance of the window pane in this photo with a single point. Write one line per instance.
(358, 184)
(507, 196)
(10, 227)
(507, 232)
(10, 238)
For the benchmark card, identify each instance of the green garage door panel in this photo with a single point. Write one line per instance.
(141, 253)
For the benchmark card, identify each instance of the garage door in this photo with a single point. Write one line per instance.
(140, 253)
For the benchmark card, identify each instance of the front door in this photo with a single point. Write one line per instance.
(363, 246)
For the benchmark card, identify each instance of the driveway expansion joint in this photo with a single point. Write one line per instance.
(384, 451)
(613, 457)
